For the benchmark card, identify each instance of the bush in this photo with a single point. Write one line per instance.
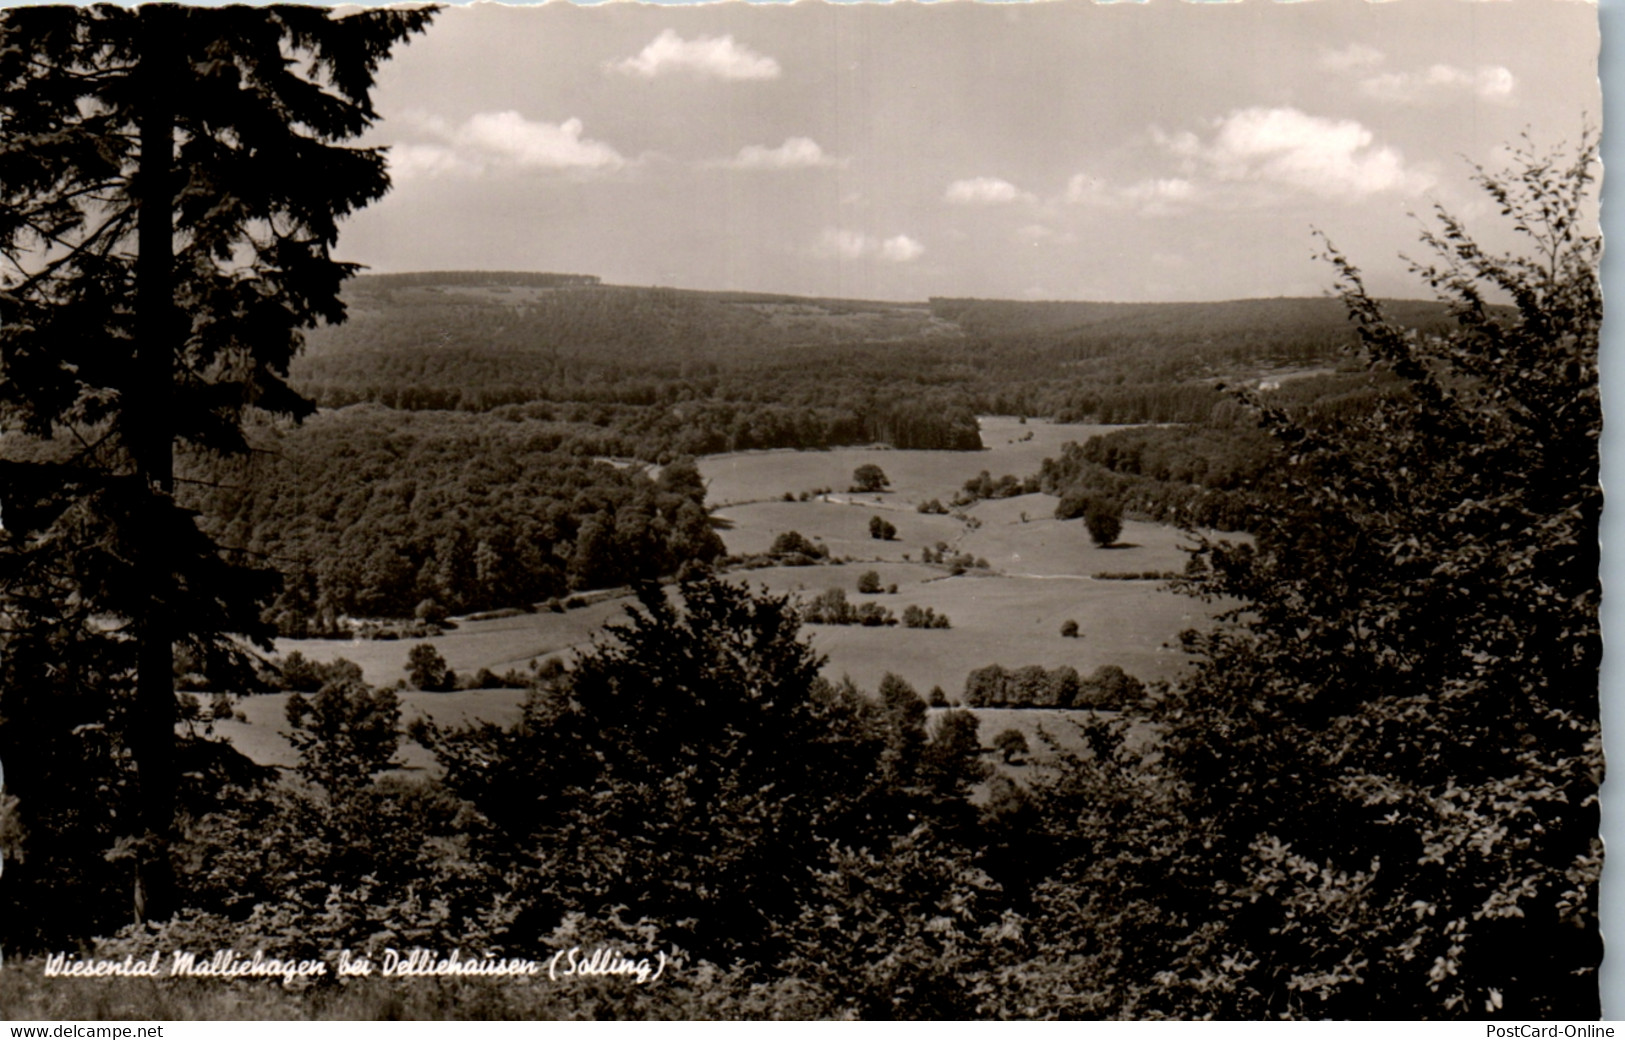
(794, 543)
(1010, 743)
(869, 582)
(923, 617)
(1069, 629)
(882, 529)
(299, 673)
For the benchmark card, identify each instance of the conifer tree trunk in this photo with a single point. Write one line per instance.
(151, 439)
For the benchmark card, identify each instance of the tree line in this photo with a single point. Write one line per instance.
(372, 515)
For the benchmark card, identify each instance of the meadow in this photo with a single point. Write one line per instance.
(1039, 576)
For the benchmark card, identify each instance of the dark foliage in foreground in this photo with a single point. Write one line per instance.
(156, 278)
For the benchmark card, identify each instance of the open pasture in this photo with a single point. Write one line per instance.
(842, 526)
(1039, 579)
(259, 730)
(996, 620)
(499, 644)
(916, 476)
(1043, 545)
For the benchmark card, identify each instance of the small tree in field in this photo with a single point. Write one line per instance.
(869, 582)
(869, 477)
(427, 669)
(1104, 519)
(1069, 629)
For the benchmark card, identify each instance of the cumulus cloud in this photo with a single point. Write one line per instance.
(1283, 146)
(984, 191)
(900, 249)
(796, 153)
(1153, 196)
(1488, 82)
(855, 245)
(500, 140)
(708, 57)
(1084, 189)
(1160, 189)
(1354, 56)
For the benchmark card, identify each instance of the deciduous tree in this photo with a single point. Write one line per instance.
(1395, 742)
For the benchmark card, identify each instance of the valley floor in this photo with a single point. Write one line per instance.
(1039, 575)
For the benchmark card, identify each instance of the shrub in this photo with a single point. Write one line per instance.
(1069, 629)
(923, 617)
(794, 543)
(1010, 744)
(299, 673)
(869, 582)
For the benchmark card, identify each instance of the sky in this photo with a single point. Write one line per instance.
(1059, 150)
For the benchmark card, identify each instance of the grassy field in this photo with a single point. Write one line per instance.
(261, 720)
(916, 476)
(1011, 614)
(996, 620)
(499, 644)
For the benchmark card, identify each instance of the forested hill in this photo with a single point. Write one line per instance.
(445, 385)
(716, 365)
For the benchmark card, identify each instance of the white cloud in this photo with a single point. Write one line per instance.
(796, 153)
(984, 191)
(1354, 56)
(1283, 146)
(415, 161)
(900, 249)
(1153, 196)
(1160, 189)
(1160, 196)
(1488, 82)
(500, 140)
(709, 57)
(855, 245)
(1084, 189)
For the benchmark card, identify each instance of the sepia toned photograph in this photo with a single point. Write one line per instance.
(800, 511)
